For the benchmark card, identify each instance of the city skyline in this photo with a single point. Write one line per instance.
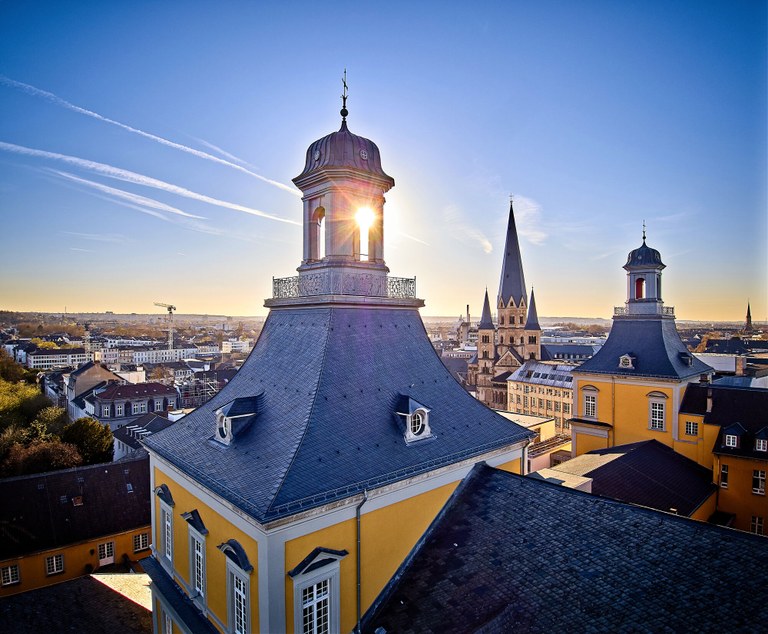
(146, 152)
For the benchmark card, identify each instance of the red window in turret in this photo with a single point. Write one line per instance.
(639, 288)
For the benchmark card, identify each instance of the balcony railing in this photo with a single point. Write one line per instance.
(668, 311)
(336, 282)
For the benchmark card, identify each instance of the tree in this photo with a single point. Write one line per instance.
(93, 440)
(51, 419)
(40, 456)
(20, 404)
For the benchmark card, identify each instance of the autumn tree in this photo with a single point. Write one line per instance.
(93, 440)
(40, 456)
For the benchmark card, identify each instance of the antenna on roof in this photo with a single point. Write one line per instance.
(344, 111)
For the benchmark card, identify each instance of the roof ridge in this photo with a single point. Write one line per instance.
(276, 490)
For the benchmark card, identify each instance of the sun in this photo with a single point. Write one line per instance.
(364, 217)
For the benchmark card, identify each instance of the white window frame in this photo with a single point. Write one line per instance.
(165, 534)
(10, 575)
(757, 525)
(238, 587)
(657, 411)
(761, 444)
(119, 409)
(759, 475)
(140, 542)
(197, 554)
(54, 564)
(158, 404)
(691, 428)
(723, 476)
(330, 573)
(106, 551)
(731, 440)
(590, 403)
(171, 402)
(105, 410)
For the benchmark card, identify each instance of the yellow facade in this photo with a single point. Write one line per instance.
(219, 531)
(391, 523)
(736, 495)
(78, 559)
(387, 536)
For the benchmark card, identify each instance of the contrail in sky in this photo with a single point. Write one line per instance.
(136, 199)
(37, 92)
(139, 179)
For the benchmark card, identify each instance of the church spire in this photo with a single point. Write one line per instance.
(533, 319)
(748, 325)
(512, 283)
(485, 320)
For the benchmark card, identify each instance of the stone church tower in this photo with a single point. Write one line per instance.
(515, 338)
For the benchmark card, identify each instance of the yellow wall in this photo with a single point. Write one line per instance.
(219, 531)
(514, 466)
(387, 536)
(77, 557)
(738, 497)
(584, 443)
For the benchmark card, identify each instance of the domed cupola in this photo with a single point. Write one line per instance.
(644, 268)
(644, 257)
(343, 150)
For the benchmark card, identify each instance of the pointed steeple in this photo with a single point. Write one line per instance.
(748, 324)
(533, 319)
(512, 283)
(486, 323)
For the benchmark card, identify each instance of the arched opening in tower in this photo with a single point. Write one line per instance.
(639, 288)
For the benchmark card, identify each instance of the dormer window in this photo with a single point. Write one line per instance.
(731, 440)
(236, 416)
(761, 444)
(626, 362)
(416, 418)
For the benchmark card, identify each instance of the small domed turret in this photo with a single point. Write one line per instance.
(342, 149)
(644, 257)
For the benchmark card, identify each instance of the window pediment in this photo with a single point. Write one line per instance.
(318, 558)
(236, 417)
(236, 553)
(164, 493)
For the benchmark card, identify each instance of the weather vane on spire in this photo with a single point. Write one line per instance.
(643, 230)
(344, 111)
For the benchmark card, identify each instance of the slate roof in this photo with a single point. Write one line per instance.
(747, 407)
(655, 346)
(532, 323)
(512, 282)
(135, 390)
(647, 473)
(150, 422)
(332, 377)
(643, 257)
(486, 322)
(509, 553)
(38, 512)
(550, 374)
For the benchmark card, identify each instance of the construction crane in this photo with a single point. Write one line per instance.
(170, 308)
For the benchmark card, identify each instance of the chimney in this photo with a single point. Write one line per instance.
(709, 400)
(467, 313)
(741, 364)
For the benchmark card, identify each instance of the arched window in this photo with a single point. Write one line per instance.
(317, 235)
(639, 288)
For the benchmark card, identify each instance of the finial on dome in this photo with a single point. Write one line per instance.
(643, 231)
(344, 112)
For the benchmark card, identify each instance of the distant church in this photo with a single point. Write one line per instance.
(503, 348)
(288, 501)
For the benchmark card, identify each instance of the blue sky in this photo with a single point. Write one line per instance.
(147, 148)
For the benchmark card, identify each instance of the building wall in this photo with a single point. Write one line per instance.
(220, 530)
(392, 521)
(737, 497)
(79, 559)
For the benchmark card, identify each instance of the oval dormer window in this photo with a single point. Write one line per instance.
(418, 422)
(223, 426)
